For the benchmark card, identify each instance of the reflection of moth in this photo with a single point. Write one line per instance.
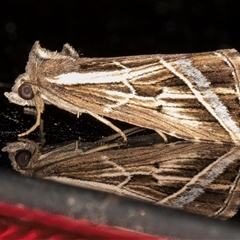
(190, 96)
(198, 177)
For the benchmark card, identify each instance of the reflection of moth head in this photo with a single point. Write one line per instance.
(22, 154)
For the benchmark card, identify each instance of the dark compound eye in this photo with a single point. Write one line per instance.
(25, 91)
(23, 157)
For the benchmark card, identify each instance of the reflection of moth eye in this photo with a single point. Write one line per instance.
(23, 157)
(25, 91)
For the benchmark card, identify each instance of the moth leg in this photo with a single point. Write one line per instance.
(79, 114)
(162, 135)
(104, 147)
(105, 121)
(39, 107)
(33, 111)
(76, 145)
(42, 133)
(115, 137)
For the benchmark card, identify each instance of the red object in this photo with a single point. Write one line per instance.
(19, 222)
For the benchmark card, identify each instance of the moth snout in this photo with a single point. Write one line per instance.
(15, 98)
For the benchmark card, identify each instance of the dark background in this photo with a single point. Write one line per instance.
(98, 28)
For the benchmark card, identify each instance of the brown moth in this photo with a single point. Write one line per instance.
(199, 177)
(190, 96)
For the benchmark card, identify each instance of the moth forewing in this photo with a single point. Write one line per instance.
(190, 96)
(198, 177)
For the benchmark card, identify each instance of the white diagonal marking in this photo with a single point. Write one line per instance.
(195, 187)
(213, 103)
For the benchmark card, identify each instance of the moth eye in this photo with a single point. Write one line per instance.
(23, 157)
(25, 91)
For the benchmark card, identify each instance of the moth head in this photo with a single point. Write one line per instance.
(22, 92)
(22, 155)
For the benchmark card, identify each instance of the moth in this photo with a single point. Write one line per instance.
(189, 96)
(199, 177)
